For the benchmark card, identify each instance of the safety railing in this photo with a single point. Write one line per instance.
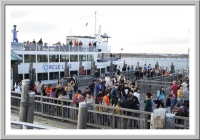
(58, 47)
(25, 125)
(65, 110)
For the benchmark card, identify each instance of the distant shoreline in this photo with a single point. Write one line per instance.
(144, 55)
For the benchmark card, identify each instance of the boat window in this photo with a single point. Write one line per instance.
(53, 58)
(42, 58)
(102, 70)
(61, 75)
(21, 76)
(82, 58)
(88, 72)
(42, 76)
(29, 58)
(22, 59)
(53, 75)
(73, 72)
(90, 57)
(26, 76)
(64, 58)
(73, 58)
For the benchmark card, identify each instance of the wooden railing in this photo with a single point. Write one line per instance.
(65, 110)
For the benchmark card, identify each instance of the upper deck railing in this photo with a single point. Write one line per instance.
(59, 47)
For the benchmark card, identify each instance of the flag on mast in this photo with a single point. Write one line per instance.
(86, 24)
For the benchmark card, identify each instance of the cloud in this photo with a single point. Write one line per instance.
(37, 27)
(163, 41)
(19, 14)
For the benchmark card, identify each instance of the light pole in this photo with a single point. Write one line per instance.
(188, 57)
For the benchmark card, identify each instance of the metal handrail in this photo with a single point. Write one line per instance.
(25, 125)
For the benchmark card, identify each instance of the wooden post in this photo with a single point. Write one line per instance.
(82, 116)
(145, 121)
(158, 118)
(95, 108)
(24, 100)
(30, 109)
(172, 68)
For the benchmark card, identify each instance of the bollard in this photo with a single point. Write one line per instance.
(24, 100)
(137, 65)
(170, 121)
(172, 68)
(158, 118)
(82, 116)
(30, 109)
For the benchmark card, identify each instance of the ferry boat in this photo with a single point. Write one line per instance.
(49, 59)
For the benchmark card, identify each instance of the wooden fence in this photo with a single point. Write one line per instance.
(65, 110)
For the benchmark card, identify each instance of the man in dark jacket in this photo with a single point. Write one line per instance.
(115, 93)
(130, 103)
(92, 86)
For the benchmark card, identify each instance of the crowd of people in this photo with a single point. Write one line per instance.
(32, 46)
(117, 91)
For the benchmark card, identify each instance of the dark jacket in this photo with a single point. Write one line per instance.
(129, 104)
(91, 87)
(168, 102)
(114, 93)
(96, 74)
(135, 102)
(148, 105)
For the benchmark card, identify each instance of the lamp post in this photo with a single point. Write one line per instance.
(188, 58)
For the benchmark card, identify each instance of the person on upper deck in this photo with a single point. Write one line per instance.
(80, 43)
(40, 43)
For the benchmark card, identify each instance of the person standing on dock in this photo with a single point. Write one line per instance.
(148, 105)
(115, 93)
(97, 75)
(92, 86)
(174, 87)
(110, 82)
(98, 87)
(125, 92)
(160, 97)
(18, 86)
(75, 82)
(180, 95)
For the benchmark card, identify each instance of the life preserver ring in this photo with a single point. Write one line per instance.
(83, 71)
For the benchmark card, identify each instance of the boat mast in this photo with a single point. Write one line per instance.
(95, 25)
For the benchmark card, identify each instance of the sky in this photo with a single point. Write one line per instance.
(136, 29)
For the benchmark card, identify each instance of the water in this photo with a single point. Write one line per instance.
(162, 62)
